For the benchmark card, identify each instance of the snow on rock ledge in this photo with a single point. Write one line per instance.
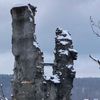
(72, 50)
(35, 44)
(48, 74)
(63, 34)
(65, 52)
(63, 42)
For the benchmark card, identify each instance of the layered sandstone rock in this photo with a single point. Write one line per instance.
(34, 79)
(28, 56)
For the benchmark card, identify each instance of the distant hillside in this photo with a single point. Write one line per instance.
(6, 81)
(83, 87)
(86, 88)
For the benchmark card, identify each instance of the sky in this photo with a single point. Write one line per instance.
(71, 15)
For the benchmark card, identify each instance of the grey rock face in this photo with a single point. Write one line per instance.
(34, 79)
(64, 56)
(59, 84)
(27, 69)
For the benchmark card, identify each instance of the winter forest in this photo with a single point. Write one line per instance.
(49, 50)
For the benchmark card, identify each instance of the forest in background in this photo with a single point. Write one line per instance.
(83, 87)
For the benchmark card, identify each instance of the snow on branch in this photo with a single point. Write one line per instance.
(96, 60)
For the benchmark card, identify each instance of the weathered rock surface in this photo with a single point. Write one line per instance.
(31, 79)
(64, 56)
(28, 56)
(60, 82)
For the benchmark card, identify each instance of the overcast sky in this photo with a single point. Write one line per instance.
(72, 15)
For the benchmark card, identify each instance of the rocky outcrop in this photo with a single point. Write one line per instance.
(28, 56)
(59, 81)
(64, 56)
(34, 79)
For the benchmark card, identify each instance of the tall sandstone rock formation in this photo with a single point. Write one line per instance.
(59, 82)
(34, 79)
(64, 61)
(27, 70)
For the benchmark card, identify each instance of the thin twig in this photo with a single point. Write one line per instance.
(94, 25)
(97, 61)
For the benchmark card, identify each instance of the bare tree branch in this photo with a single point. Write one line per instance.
(97, 61)
(93, 26)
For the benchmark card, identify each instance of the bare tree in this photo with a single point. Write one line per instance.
(96, 30)
(94, 59)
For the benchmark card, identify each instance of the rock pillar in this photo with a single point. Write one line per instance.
(28, 56)
(59, 77)
(63, 64)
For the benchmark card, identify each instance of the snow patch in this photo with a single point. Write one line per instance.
(63, 42)
(6, 98)
(30, 10)
(68, 35)
(35, 44)
(31, 20)
(48, 74)
(1, 85)
(69, 66)
(60, 73)
(64, 35)
(73, 50)
(61, 37)
(65, 52)
(55, 78)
